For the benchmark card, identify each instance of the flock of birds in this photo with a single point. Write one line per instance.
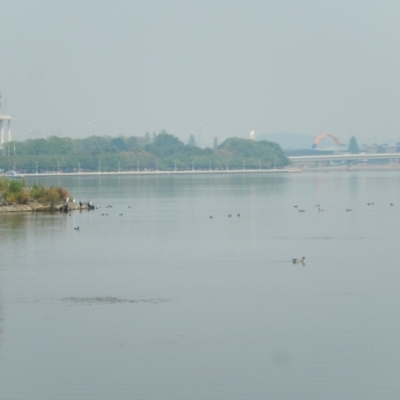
(229, 215)
(76, 228)
(294, 260)
(320, 209)
(301, 260)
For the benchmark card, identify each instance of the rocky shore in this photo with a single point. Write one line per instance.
(44, 207)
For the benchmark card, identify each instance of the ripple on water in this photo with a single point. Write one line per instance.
(112, 300)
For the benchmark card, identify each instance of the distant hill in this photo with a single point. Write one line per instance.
(289, 140)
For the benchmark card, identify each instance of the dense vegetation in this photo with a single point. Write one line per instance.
(16, 192)
(161, 152)
(353, 146)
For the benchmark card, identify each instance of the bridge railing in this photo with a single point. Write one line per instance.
(346, 157)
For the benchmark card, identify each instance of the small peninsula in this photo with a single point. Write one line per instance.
(16, 196)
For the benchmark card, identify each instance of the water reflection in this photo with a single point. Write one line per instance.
(13, 227)
(17, 227)
(163, 183)
(1, 317)
(354, 185)
(119, 306)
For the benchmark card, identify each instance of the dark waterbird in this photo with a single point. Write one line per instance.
(298, 260)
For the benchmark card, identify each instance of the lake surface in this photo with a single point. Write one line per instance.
(164, 302)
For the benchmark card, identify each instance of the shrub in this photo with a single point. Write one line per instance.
(15, 192)
(51, 195)
(17, 197)
(3, 184)
(37, 191)
(48, 195)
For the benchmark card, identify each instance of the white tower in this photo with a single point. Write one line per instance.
(3, 120)
(253, 135)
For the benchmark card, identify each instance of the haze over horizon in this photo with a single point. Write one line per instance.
(208, 68)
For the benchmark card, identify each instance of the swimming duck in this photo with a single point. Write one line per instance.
(298, 261)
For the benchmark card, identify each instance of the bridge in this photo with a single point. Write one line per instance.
(344, 157)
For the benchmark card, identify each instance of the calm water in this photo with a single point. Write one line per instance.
(163, 302)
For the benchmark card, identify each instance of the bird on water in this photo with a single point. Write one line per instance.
(298, 260)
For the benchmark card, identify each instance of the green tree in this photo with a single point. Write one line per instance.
(353, 146)
(120, 143)
(132, 153)
(164, 145)
(192, 140)
(254, 152)
(215, 145)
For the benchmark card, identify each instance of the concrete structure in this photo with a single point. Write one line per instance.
(3, 120)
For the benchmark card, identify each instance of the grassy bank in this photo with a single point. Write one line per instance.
(16, 192)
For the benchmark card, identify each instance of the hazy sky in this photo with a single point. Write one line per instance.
(271, 66)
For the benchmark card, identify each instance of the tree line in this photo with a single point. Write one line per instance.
(162, 152)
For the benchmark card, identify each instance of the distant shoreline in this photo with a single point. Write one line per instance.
(152, 173)
(303, 169)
